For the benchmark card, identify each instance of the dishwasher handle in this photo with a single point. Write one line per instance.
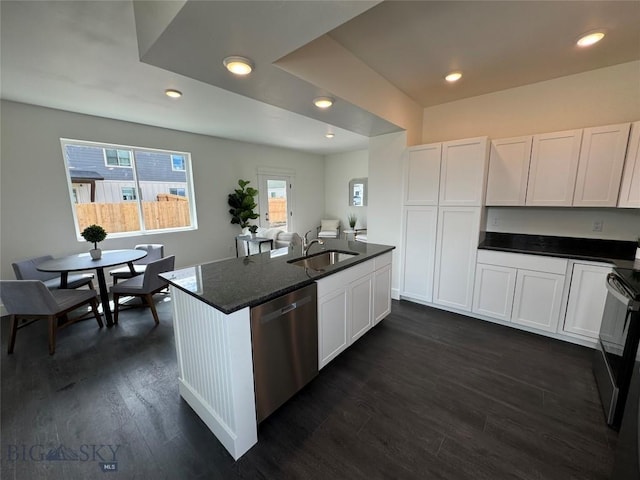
(617, 290)
(284, 310)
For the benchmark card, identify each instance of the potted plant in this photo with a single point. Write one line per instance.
(242, 204)
(94, 234)
(352, 218)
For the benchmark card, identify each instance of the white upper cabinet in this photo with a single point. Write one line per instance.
(463, 173)
(422, 174)
(553, 170)
(630, 188)
(508, 171)
(600, 166)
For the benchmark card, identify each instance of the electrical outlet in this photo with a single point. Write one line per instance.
(597, 225)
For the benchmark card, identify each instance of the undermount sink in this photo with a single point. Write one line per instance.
(323, 259)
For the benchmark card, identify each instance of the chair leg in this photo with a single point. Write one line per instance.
(94, 308)
(52, 334)
(14, 330)
(116, 308)
(149, 299)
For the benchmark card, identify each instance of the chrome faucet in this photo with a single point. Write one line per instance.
(306, 248)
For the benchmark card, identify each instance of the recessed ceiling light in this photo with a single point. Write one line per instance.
(238, 65)
(453, 77)
(170, 92)
(323, 102)
(589, 39)
(329, 135)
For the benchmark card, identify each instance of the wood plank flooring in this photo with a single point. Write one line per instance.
(426, 394)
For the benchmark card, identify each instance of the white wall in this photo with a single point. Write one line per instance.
(35, 210)
(339, 169)
(617, 223)
(385, 196)
(598, 97)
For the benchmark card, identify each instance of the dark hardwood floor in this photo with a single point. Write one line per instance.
(425, 395)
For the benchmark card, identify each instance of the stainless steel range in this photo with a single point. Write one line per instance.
(618, 342)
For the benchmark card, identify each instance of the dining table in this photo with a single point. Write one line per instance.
(83, 261)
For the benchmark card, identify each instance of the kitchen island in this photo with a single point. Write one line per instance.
(212, 305)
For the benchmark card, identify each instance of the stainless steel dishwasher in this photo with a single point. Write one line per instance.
(284, 339)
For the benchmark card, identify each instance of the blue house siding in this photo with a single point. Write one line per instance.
(151, 166)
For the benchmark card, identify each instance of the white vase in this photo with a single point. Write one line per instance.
(95, 253)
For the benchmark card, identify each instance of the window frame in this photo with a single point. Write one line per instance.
(134, 192)
(189, 185)
(118, 150)
(173, 169)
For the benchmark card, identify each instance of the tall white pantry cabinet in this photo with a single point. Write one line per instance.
(444, 191)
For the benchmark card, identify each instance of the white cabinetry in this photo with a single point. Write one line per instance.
(538, 299)
(457, 243)
(630, 188)
(600, 167)
(493, 292)
(553, 169)
(463, 172)
(508, 171)
(422, 175)
(418, 252)
(587, 296)
(523, 289)
(350, 302)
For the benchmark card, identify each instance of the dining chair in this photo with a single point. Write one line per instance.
(144, 286)
(155, 251)
(28, 270)
(32, 299)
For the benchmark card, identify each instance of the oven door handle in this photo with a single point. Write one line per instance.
(617, 290)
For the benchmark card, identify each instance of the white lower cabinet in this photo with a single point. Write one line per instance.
(518, 288)
(418, 252)
(538, 299)
(350, 302)
(494, 289)
(586, 300)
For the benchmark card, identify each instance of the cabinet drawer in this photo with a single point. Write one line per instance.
(539, 263)
(341, 279)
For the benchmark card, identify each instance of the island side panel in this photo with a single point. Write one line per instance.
(216, 369)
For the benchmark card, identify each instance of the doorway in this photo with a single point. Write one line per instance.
(276, 201)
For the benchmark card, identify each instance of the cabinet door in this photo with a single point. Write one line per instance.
(456, 249)
(361, 299)
(332, 325)
(537, 299)
(493, 291)
(508, 171)
(418, 252)
(463, 173)
(600, 166)
(553, 170)
(630, 188)
(422, 175)
(381, 293)
(586, 300)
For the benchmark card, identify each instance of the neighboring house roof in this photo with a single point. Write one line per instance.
(84, 175)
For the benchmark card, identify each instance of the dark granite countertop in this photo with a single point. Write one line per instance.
(232, 284)
(616, 252)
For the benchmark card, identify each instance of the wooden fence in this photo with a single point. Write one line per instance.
(278, 211)
(123, 216)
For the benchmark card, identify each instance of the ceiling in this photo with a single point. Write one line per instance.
(115, 59)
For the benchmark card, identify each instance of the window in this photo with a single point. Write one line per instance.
(128, 193)
(132, 200)
(177, 163)
(117, 158)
